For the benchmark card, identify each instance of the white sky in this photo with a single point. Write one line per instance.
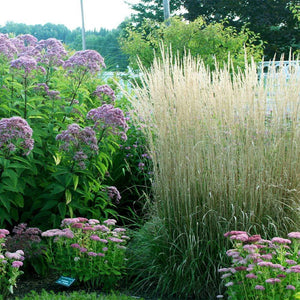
(97, 13)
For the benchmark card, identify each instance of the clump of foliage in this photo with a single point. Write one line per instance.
(225, 155)
(262, 269)
(59, 130)
(210, 42)
(10, 263)
(28, 239)
(81, 295)
(90, 252)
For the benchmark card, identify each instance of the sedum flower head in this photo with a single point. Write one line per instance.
(294, 235)
(280, 240)
(259, 287)
(17, 264)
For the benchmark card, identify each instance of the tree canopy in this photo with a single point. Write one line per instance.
(276, 21)
(210, 42)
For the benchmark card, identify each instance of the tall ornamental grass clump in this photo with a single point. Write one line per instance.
(226, 155)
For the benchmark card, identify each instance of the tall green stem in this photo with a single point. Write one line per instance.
(25, 98)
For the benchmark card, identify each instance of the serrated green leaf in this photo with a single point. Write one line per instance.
(14, 213)
(57, 188)
(4, 216)
(5, 201)
(19, 200)
(49, 205)
(62, 209)
(12, 175)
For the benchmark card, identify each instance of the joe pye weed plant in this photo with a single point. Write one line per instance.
(262, 269)
(90, 252)
(58, 131)
(10, 263)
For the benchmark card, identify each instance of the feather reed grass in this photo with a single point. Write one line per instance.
(226, 155)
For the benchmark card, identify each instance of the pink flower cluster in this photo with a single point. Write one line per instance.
(108, 116)
(253, 258)
(15, 133)
(7, 48)
(80, 141)
(25, 62)
(44, 90)
(89, 60)
(105, 90)
(51, 52)
(114, 194)
(88, 235)
(66, 232)
(16, 257)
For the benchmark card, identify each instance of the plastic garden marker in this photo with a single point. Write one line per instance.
(65, 281)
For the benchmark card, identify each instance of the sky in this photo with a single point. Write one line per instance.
(97, 13)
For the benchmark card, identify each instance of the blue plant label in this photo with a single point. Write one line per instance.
(65, 281)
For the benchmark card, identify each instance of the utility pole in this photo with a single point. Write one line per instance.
(167, 11)
(82, 27)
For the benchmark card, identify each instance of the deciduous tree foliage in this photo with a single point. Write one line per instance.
(275, 20)
(211, 42)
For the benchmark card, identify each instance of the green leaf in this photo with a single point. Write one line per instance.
(75, 180)
(49, 205)
(14, 214)
(68, 195)
(19, 200)
(62, 209)
(57, 188)
(12, 175)
(4, 216)
(5, 201)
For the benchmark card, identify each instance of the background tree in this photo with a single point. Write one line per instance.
(152, 10)
(274, 20)
(211, 42)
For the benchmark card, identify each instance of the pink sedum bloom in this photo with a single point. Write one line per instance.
(17, 264)
(294, 235)
(280, 240)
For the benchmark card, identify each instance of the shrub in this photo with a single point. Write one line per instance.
(213, 42)
(59, 130)
(28, 239)
(10, 263)
(90, 252)
(262, 269)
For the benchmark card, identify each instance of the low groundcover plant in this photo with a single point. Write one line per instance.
(262, 269)
(90, 252)
(10, 262)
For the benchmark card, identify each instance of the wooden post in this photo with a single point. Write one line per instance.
(82, 27)
(166, 11)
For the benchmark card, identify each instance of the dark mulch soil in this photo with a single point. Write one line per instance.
(36, 283)
(48, 283)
